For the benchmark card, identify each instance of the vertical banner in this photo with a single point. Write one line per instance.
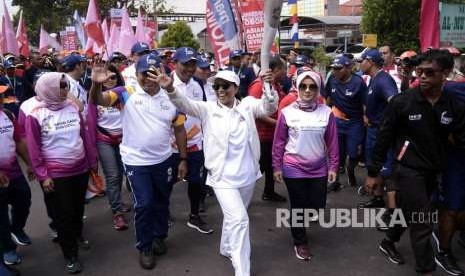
(69, 39)
(252, 13)
(222, 29)
(429, 24)
(151, 32)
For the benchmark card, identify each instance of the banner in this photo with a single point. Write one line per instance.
(69, 39)
(429, 24)
(151, 32)
(452, 25)
(252, 13)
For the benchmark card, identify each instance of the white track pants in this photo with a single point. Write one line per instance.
(235, 238)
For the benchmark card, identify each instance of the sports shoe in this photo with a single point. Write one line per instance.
(119, 222)
(389, 249)
(159, 247)
(73, 266)
(447, 262)
(302, 252)
(196, 222)
(21, 238)
(83, 244)
(273, 197)
(334, 186)
(361, 191)
(11, 258)
(147, 259)
(372, 203)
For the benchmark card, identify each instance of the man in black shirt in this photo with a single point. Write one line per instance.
(418, 123)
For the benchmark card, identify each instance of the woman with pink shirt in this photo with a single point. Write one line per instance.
(61, 159)
(305, 153)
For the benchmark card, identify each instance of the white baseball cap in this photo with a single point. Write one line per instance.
(225, 75)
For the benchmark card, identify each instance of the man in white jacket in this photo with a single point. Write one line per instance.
(232, 153)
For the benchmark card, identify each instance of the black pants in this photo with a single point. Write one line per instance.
(305, 193)
(414, 189)
(266, 166)
(195, 178)
(18, 195)
(68, 205)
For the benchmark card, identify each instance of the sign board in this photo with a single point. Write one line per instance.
(370, 40)
(116, 13)
(452, 25)
(344, 33)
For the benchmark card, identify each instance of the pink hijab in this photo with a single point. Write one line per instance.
(48, 91)
(313, 104)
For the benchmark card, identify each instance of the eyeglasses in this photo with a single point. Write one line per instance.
(305, 87)
(429, 72)
(224, 86)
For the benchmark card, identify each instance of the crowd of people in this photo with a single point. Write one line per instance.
(162, 116)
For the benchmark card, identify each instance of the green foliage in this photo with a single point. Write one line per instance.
(179, 34)
(57, 14)
(396, 22)
(320, 57)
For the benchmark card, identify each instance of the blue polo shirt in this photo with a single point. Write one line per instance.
(456, 89)
(247, 76)
(382, 87)
(347, 97)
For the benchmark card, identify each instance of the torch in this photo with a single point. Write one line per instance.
(272, 16)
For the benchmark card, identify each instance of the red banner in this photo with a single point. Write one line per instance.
(252, 12)
(69, 39)
(151, 31)
(217, 39)
(429, 24)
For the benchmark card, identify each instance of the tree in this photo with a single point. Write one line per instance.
(396, 22)
(178, 35)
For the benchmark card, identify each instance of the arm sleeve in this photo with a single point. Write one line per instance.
(384, 139)
(331, 141)
(91, 122)
(193, 108)
(281, 134)
(89, 147)
(34, 146)
(389, 88)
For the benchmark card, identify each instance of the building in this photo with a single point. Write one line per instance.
(310, 8)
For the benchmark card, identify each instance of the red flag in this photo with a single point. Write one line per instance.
(21, 36)
(429, 24)
(93, 26)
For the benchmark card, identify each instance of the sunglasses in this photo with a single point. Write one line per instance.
(429, 72)
(305, 87)
(224, 86)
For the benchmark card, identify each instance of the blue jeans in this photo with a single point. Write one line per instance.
(350, 138)
(110, 159)
(151, 189)
(372, 133)
(18, 195)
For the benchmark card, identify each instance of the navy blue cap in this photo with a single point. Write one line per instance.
(146, 62)
(72, 60)
(202, 62)
(236, 53)
(341, 61)
(373, 55)
(9, 63)
(139, 48)
(185, 54)
(301, 60)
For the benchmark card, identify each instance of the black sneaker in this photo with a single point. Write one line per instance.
(21, 238)
(372, 203)
(147, 259)
(159, 247)
(447, 262)
(196, 222)
(334, 187)
(351, 179)
(83, 244)
(73, 266)
(389, 249)
(273, 197)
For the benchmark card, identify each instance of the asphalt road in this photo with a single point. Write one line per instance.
(337, 251)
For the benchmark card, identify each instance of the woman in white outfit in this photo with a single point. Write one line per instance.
(232, 152)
